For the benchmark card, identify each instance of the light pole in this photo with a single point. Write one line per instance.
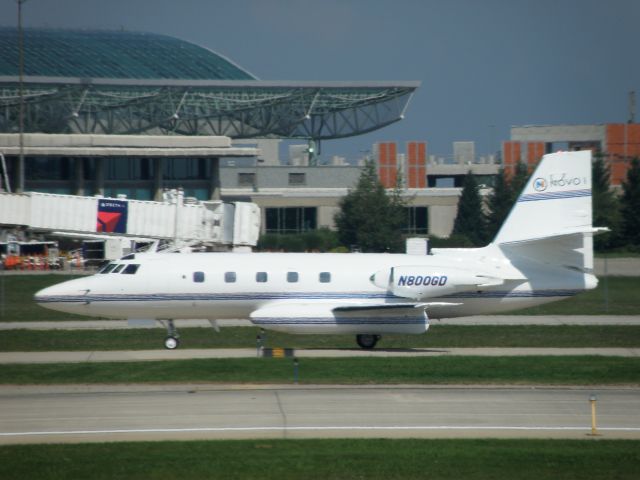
(21, 166)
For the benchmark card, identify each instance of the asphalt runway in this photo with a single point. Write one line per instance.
(164, 412)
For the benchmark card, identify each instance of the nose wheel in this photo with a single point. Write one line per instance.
(171, 343)
(172, 340)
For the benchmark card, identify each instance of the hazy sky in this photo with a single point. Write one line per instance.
(484, 64)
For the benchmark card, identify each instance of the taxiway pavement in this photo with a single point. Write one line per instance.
(161, 412)
(212, 353)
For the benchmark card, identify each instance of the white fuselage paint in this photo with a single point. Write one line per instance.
(164, 286)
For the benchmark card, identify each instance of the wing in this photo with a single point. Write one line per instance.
(343, 318)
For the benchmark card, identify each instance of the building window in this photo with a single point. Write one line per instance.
(292, 277)
(48, 168)
(198, 277)
(297, 179)
(325, 277)
(230, 277)
(128, 168)
(187, 169)
(261, 277)
(416, 220)
(291, 219)
(246, 179)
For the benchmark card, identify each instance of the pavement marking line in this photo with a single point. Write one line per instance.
(315, 428)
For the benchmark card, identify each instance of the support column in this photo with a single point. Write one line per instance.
(99, 180)
(214, 186)
(20, 175)
(158, 178)
(78, 176)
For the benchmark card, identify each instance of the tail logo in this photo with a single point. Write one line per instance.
(539, 184)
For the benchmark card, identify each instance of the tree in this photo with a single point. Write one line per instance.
(470, 220)
(630, 203)
(606, 208)
(369, 218)
(499, 204)
(518, 181)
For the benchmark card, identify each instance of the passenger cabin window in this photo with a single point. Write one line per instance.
(230, 277)
(118, 268)
(131, 269)
(292, 277)
(261, 277)
(198, 277)
(325, 277)
(108, 268)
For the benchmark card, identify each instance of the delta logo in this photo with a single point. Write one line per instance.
(112, 216)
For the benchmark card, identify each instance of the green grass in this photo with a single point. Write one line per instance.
(613, 296)
(570, 370)
(447, 336)
(327, 459)
(16, 299)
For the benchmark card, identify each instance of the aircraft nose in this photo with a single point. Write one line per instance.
(50, 294)
(65, 297)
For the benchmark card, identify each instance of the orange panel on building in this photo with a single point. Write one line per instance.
(416, 164)
(623, 144)
(387, 164)
(512, 155)
(535, 151)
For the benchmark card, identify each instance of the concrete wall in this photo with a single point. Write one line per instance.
(278, 176)
(558, 133)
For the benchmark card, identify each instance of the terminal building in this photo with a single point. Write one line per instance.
(125, 114)
(618, 143)
(132, 115)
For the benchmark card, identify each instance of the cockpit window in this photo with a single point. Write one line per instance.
(118, 268)
(108, 268)
(131, 269)
(131, 256)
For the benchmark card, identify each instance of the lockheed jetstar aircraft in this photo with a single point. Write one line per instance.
(542, 253)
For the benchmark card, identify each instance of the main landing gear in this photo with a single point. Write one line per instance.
(367, 341)
(172, 341)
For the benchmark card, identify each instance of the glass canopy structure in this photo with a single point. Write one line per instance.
(137, 83)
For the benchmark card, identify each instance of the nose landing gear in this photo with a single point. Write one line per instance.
(172, 341)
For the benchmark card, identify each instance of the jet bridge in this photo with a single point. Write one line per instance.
(176, 219)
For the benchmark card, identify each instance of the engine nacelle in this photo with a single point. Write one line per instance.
(421, 282)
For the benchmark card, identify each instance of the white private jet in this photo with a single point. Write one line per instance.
(542, 253)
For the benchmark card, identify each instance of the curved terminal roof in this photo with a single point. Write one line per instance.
(137, 83)
(111, 54)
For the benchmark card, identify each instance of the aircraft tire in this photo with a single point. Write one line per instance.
(367, 342)
(171, 343)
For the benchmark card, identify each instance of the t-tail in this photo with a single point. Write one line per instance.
(551, 222)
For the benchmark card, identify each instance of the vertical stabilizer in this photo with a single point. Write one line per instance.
(556, 201)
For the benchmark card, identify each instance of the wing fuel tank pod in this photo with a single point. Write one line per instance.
(422, 282)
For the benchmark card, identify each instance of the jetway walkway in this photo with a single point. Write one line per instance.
(176, 219)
